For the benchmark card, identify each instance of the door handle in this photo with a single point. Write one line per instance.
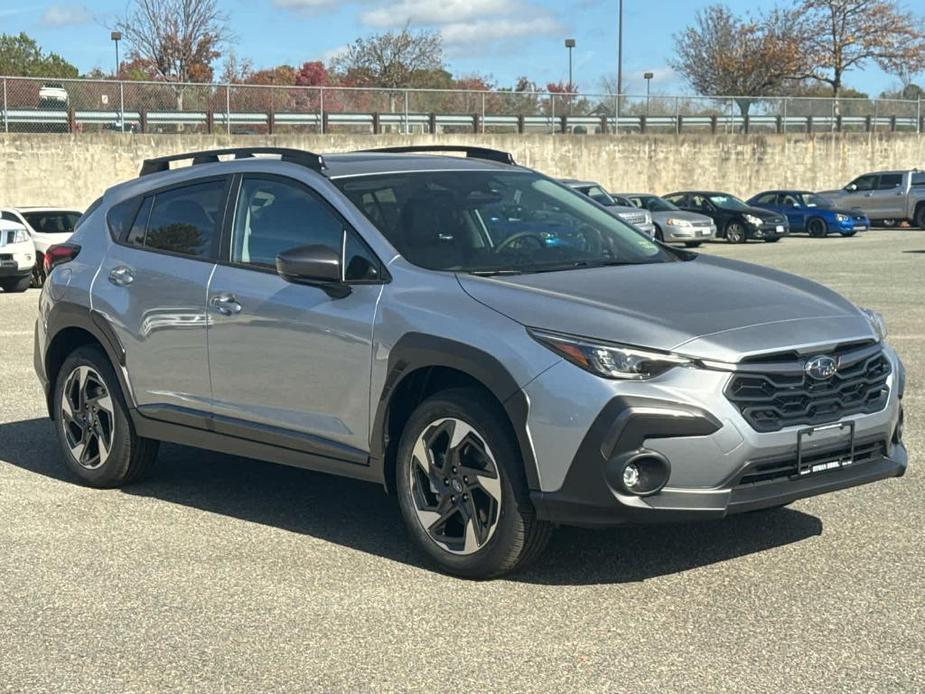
(121, 276)
(226, 304)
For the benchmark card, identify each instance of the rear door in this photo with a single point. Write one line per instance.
(290, 364)
(887, 200)
(152, 289)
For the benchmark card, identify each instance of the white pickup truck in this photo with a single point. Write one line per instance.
(885, 196)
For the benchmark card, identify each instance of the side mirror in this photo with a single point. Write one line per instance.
(317, 266)
(851, 187)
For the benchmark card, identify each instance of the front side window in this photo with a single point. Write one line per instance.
(864, 183)
(495, 222)
(186, 220)
(60, 222)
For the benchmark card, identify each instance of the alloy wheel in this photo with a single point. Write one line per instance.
(87, 417)
(735, 233)
(455, 486)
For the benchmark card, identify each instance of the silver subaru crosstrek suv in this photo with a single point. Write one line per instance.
(479, 339)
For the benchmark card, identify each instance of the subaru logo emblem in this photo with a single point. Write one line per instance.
(821, 368)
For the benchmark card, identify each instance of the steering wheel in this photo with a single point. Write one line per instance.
(593, 239)
(519, 236)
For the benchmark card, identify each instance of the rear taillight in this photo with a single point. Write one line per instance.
(60, 254)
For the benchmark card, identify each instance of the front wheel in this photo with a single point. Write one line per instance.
(919, 218)
(816, 227)
(461, 487)
(735, 233)
(38, 271)
(659, 236)
(16, 286)
(91, 419)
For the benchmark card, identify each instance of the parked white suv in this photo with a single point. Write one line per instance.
(47, 226)
(17, 257)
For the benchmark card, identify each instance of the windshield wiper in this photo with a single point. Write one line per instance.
(494, 273)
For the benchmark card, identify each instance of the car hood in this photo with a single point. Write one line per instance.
(681, 214)
(709, 308)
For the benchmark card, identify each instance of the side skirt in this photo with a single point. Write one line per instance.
(197, 437)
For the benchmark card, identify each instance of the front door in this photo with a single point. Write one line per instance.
(285, 357)
(152, 289)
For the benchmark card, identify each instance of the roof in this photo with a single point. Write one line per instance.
(372, 163)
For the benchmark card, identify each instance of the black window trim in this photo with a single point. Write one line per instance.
(231, 207)
(213, 254)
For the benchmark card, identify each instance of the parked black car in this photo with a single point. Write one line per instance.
(736, 221)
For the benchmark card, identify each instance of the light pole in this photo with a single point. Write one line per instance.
(116, 36)
(620, 50)
(570, 44)
(648, 78)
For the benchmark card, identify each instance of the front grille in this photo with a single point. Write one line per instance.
(634, 218)
(786, 467)
(6, 256)
(772, 395)
(702, 224)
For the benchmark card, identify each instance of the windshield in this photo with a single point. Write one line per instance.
(728, 202)
(599, 195)
(653, 203)
(495, 222)
(58, 222)
(813, 200)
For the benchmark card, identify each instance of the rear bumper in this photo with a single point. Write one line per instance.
(677, 505)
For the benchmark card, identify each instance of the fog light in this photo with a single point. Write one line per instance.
(630, 476)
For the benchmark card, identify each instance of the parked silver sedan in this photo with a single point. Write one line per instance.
(673, 225)
(624, 210)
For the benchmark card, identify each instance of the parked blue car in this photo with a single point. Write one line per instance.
(811, 213)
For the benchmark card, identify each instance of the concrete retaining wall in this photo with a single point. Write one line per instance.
(73, 170)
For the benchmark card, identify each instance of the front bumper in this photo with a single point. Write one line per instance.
(689, 234)
(719, 465)
(766, 231)
(16, 260)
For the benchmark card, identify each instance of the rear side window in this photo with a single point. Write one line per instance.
(186, 220)
(890, 181)
(918, 179)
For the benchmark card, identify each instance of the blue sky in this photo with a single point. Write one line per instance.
(500, 38)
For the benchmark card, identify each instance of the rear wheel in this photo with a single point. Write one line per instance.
(461, 487)
(816, 227)
(38, 271)
(735, 232)
(91, 419)
(919, 218)
(15, 286)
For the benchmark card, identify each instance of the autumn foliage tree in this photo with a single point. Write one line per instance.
(721, 53)
(842, 35)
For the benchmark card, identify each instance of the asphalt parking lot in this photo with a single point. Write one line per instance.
(222, 574)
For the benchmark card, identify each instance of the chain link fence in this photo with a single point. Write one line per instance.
(89, 106)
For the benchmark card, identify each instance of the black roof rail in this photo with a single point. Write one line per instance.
(471, 152)
(210, 156)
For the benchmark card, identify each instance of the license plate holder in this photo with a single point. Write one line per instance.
(780, 229)
(837, 462)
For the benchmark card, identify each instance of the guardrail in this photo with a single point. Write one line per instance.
(76, 106)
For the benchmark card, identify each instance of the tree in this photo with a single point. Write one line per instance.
(181, 39)
(393, 59)
(848, 34)
(21, 56)
(754, 56)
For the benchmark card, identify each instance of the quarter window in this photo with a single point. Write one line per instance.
(186, 220)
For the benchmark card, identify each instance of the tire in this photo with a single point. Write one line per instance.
(97, 439)
(16, 286)
(735, 233)
(437, 503)
(38, 271)
(693, 244)
(816, 227)
(918, 219)
(659, 236)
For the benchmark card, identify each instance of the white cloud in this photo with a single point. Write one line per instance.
(491, 30)
(429, 12)
(66, 15)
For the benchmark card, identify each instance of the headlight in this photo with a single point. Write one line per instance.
(875, 318)
(20, 236)
(842, 217)
(753, 220)
(672, 222)
(610, 360)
